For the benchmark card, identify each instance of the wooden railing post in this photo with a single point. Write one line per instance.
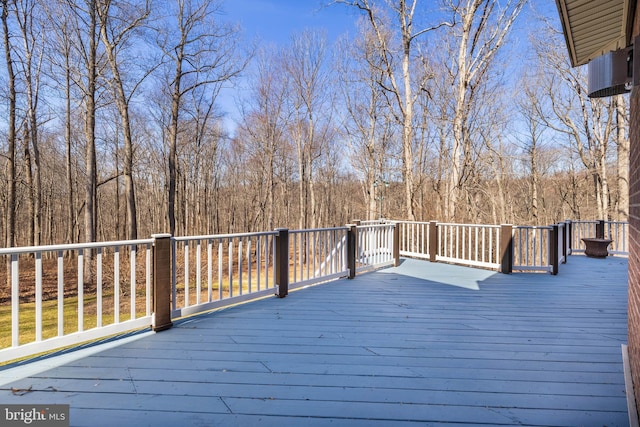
(433, 241)
(282, 262)
(506, 248)
(553, 249)
(162, 282)
(600, 229)
(569, 235)
(352, 243)
(564, 242)
(396, 244)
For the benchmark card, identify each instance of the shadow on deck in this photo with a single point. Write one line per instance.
(425, 343)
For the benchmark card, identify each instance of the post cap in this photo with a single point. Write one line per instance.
(161, 235)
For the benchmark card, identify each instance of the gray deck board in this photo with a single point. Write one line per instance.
(421, 344)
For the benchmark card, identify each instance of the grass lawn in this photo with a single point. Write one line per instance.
(27, 318)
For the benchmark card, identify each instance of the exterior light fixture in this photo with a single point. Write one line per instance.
(612, 74)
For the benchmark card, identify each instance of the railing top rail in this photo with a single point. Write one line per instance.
(469, 225)
(532, 227)
(224, 236)
(309, 230)
(410, 222)
(389, 224)
(73, 246)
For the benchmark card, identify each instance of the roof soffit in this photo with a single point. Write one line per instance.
(595, 27)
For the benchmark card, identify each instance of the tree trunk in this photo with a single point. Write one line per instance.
(407, 119)
(460, 96)
(311, 136)
(91, 192)
(28, 173)
(127, 169)
(122, 102)
(623, 159)
(604, 188)
(534, 184)
(31, 83)
(271, 187)
(11, 132)
(302, 177)
(71, 218)
(173, 147)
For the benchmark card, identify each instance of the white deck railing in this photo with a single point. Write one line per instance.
(468, 244)
(108, 287)
(374, 246)
(317, 255)
(562, 242)
(414, 239)
(216, 270)
(109, 292)
(373, 221)
(581, 229)
(531, 248)
(617, 231)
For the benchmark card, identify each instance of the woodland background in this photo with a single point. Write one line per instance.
(450, 110)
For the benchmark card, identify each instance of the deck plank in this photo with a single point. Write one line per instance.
(425, 343)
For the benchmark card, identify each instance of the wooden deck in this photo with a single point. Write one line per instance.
(421, 344)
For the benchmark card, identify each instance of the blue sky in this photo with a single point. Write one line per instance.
(275, 21)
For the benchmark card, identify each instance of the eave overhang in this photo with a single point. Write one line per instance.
(595, 27)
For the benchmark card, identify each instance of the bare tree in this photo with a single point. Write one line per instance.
(30, 58)
(203, 52)
(11, 135)
(587, 123)
(59, 60)
(622, 142)
(530, 106)
(118, 21)
(262, 131)
(91, 64)
(305, 65)
(400, 84)
(484, 27)
(202, 138)
(368, 123)
(83, 24)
